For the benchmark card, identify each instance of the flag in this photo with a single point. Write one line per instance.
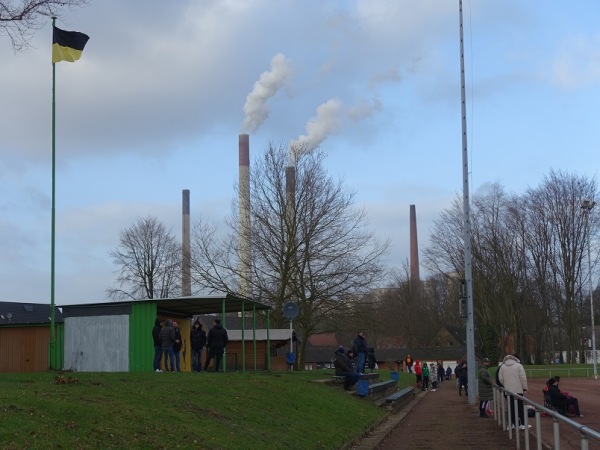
(67, 45)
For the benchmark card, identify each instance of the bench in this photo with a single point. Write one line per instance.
(398, 395)
(382, 386)
(365, 376)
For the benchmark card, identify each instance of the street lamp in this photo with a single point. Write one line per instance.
(587, 206)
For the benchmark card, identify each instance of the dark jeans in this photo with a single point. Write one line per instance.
(360, 365)
(350, 379)
(572, 401)
(197, 360)
(157, 357)
(463, 383)
(216, 353)
(520, 411)
(168, 353)
(177, 361)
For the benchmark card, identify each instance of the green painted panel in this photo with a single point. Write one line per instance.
(141, 347)
(57, 360)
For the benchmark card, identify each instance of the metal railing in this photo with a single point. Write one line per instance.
(567, 372)
(502, 415)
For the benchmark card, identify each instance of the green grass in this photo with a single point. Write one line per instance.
(182, 410)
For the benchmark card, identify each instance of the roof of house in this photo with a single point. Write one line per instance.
(319, 354)
(459, 333)
(323, 340)
(14, 313)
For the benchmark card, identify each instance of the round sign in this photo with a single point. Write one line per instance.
(290, 311)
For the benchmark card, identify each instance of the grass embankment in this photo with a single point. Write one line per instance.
(180, 410)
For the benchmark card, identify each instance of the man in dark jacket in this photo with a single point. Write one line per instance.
(463, 378)
(198, 341)
(360, 347)
(343, 368)
(216, 341)
(177, 346)
(485, 389)
(167, 339)
(157, 345)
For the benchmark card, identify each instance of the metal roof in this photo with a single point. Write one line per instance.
(14, 313)
(207, 304)
(185, 306)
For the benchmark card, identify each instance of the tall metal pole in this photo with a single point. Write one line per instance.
(587, 207)
(467, 224)
(52, 343)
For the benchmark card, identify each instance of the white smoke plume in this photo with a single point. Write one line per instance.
(326, 122)
(266, 87)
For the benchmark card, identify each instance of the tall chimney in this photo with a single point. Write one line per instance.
(245, 282)
(414, 246)
(186, 278)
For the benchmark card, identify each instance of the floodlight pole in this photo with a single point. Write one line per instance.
(587, 207)
(467, 225)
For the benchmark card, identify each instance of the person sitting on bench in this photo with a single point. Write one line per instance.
(343, 367)
(558, 399)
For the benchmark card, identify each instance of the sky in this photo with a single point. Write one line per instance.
(163, 90)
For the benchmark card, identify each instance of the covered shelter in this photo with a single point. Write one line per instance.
(116, 336)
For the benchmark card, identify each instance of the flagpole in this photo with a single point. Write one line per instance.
(52, 344)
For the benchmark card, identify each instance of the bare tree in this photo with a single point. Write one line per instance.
(149, 260)
(558, 200)
(310, 245)
(527, 264)
(20, 19)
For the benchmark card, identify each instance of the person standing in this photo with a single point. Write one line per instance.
(167, 339)
(485, 389)
(198, 341)
(360, 347)
(157, 345)
(463, 378)
(409, 364)
(425, 369)
(441, 373)
(513, 378)
(419, 373)
(371, 359)
(177, 347)
(216, 341)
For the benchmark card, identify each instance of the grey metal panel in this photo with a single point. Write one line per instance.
(97, 344)
(109, 309)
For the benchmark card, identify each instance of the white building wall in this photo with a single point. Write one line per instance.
(97, 344)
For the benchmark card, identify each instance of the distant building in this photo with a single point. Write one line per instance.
(25, 336)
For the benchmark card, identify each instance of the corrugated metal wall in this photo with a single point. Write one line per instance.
(24, 349)
(141, 346)
(97, 343)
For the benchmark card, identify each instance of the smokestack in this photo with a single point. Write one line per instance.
(245, 282)
(186, 278)
(414, 246)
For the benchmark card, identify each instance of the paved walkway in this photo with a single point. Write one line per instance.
(442, 420)
(438, 420)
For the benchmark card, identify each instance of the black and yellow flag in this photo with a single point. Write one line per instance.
(67, 45)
